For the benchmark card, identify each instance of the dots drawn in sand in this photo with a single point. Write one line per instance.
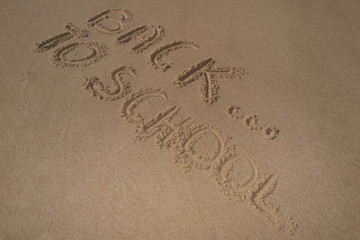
(122, 86)
(155, 34)
(53, 41)
(110, 21)
(156, 56)
(234, 112)
(206, 69)
(96, 52)
(252, 122)
(271, 132)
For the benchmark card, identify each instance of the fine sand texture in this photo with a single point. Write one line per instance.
(158, 119)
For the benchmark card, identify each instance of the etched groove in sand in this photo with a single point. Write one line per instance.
(51, 42)
(188, 146)
(145, 129)
(206, 68)
(126, 37)
(115, 17)
(157, 125)
(187, 155)
(153, 123)
(55, 40)
(122, 86)
(192, 73)
(76, 31)
(143, 42)
(127, 111)
(96, 52)
(155, 57)
(228, 185)
(264, 188)
(165, 137)
(209, 90)
(261, 190)
(226, 72)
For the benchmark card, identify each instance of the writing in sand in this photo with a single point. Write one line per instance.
(170, 129)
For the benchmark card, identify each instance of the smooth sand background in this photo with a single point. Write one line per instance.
(69, 168)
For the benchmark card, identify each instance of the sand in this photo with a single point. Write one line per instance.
(179, 120)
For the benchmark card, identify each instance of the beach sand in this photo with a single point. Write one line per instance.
(179, 119)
